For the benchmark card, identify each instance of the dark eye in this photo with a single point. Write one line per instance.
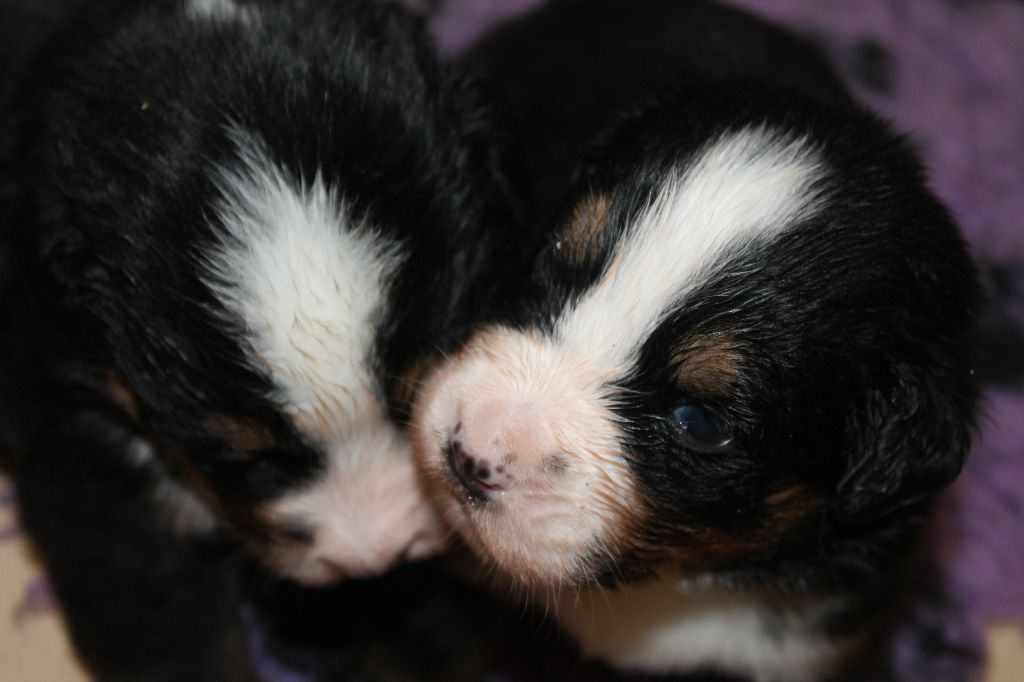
(698, 426)
(545, 262)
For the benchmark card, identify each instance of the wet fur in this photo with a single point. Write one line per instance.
(838, 327)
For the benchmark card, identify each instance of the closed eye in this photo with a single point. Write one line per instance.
(544, 265)
(296, 531)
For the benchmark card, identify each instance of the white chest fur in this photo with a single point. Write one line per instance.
(666, 626)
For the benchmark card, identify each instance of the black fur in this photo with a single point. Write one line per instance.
(565, 74)
(853, 328)
(121, 120)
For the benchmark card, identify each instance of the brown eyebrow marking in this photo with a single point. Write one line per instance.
(241, 433)
(582, 238)
(707, 365)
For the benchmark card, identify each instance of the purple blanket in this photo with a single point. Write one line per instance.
(948, 73)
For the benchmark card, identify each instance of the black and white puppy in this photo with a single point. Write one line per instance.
(743, 370)
(241, 230)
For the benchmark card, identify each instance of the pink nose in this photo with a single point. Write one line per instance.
(478, 476)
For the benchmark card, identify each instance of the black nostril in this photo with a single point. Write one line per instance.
(471, 474)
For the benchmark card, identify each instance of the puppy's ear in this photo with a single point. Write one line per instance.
(907, 442)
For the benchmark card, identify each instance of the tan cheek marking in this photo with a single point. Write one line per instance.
(242, 434)
(785, 513)
(628, 515)
(184, 471)
(179, 468)
(707, 366)
(583, 237)
(790, 507)
(624, 537)
(122, 395)
(701, 549)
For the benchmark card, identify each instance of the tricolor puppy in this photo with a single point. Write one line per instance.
(242, 229)
(742, 371)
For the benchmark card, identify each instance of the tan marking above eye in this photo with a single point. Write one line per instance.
(241, 433)
(707, 365)
(582, 237)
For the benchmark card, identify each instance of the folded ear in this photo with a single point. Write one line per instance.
(907, 442)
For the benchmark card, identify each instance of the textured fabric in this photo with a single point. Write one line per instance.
(947, 73)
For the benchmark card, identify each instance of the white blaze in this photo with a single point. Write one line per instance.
(309, 283)
(745, 186)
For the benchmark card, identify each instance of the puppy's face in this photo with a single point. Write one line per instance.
(266, 399)
(316, 492)
(313, 502)
(253, 264)
(737, 348)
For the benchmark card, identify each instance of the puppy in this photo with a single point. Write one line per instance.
(240, 231)
(712, 431)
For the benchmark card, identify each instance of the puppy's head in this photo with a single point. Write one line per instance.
(251, 256)
(258, 383)
(746, 348)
